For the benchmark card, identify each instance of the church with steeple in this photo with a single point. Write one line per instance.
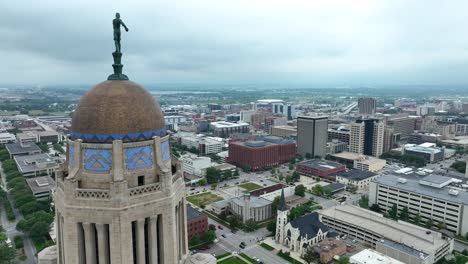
(299, 233)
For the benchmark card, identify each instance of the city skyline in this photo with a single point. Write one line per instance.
(329, 44)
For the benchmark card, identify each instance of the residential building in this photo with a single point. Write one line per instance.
(299, 233)
(436, 198)
(340, 134)
(41, 187)
(6, 138)
(359, 178)
(284, 131)
(367, 136)
(172, 121)
(36, 164)
(261, 154)
(197, 223)
(336, 146)
(400, 240)
(246, 116)
(251, 208)
(370, 256)
(320, 168)
(312, 133)
(461, 129)
(367, 106)
(359, 161)
(194, 165)
(225, 129)
(18, 149)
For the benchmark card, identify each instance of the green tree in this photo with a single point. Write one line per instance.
(310, 256)
(236, 173)
(194, 241)
(296, 176)
(364, 201)
(327, 192)
(7, 254)
(213, 186)
(393, 212)
(212, 175)
(202, 182)
(274, 204)
(280, 177)
(317, 189)
(417, 219)
(273, 171)
(250, 225)
(299, 190)
(440, 225)
(38, 230)
(271, 226)
(459, 166)
(288, 179)
(209, 236)
(212, 227)
(404, 215)
(291, 166)
(343, 260)
(375, 208)
(428, 223)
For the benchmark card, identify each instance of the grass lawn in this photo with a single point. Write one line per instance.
(250, 186)
(203, 198)
(223, 255)
(232, 261)
(267, 247)
(248, 258)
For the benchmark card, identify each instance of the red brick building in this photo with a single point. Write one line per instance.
(320, 168)
(197, 223)
(261, 154)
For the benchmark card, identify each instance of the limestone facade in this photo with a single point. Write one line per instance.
(121, 203)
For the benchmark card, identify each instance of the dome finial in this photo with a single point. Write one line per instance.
(117, 75)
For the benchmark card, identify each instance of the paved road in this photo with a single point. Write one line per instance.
(10, 227)
(459, 246)
(231, 242)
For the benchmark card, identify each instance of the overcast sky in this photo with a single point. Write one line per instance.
(323, 42)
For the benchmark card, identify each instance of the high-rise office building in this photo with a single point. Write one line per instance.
(312, 135)
(367, 137)
(367, 105)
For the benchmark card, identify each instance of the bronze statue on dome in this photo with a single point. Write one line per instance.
(117, 22)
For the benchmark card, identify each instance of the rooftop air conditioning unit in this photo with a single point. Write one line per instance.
(453, 192)
(402, 180)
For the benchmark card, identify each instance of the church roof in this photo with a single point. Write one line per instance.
(282, 202)
(309, 225)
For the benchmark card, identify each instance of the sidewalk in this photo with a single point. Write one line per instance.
(269, 241)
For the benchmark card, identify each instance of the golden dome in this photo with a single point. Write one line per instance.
(117, 109)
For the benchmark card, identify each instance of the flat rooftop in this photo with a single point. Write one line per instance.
(17, 148)
(223, 124)
(412, 184)
(36, 162)
(355, 156)
(370, 256)
(321, 165)
(424, 149)
(254, 201)
(41, 184)
(356, 175)
(406, 234)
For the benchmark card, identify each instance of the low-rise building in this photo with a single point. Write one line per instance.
(369, 256)
(6, 138)
(38, 136)
(336, 146)
(18, 149)
(283, 131)
(320, 168)
(400, 240)
(459, 143)
(195, 165)
(261, 154)
(197, 223)
(359, 161)
(329, 248)
(341, 134)
(36, 165)
(359, 178)
(430, 154)
(41, 187)
(435, 198)
(251, 208)
(203, 145)
(225, 129)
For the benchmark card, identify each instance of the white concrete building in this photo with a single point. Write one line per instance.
(250, 207)
(194, 165)
(204, 145)
(369, 256)
(400, 240)
(6, 138)
(433, 197)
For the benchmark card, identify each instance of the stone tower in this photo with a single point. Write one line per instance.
(120, 196)
(281, 219)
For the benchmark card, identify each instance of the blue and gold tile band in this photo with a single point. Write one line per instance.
(108, 138)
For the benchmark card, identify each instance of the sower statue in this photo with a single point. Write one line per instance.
(117, 22)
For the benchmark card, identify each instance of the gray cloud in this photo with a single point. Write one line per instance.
(312, 42)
